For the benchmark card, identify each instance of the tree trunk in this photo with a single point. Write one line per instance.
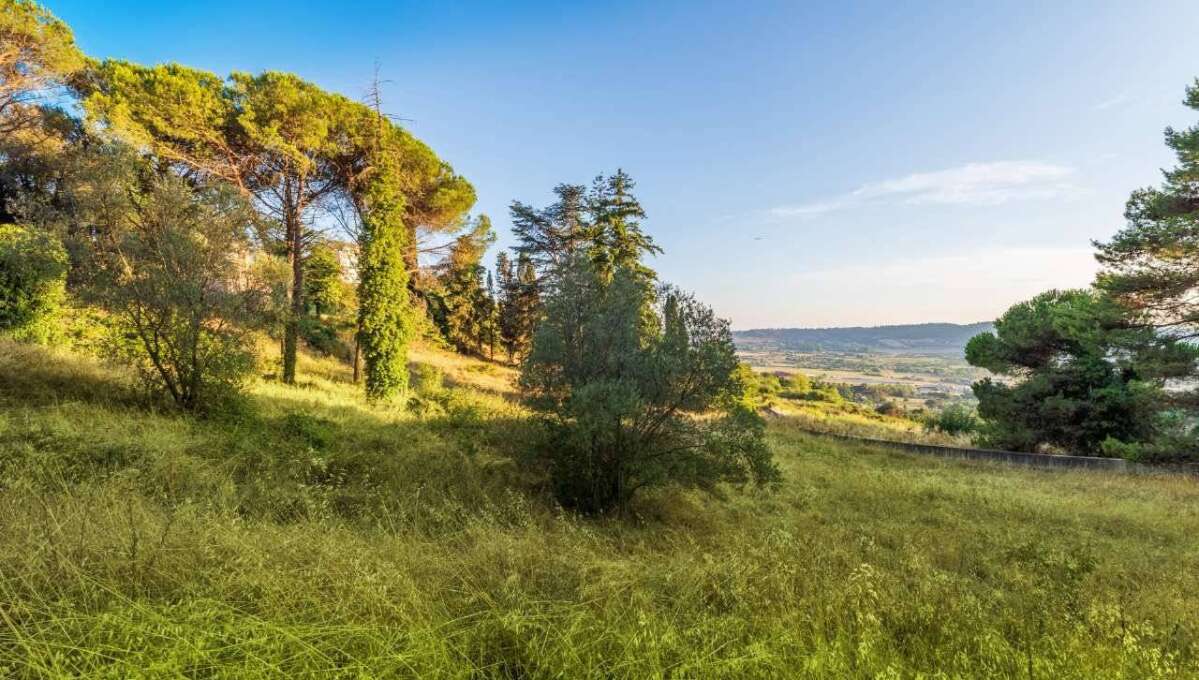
(412, 263)
(357, 352)
(295, 253)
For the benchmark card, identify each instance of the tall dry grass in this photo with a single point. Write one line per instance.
(314, 536)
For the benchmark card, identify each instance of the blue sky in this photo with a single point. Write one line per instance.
(803, 164)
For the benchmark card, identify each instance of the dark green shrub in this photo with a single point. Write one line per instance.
(954, 420)
(322, 336)
(637, 389)
(889, 408)
(1081, 373)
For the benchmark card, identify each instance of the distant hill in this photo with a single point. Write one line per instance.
(924, 338)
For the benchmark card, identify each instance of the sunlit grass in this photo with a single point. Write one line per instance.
(853, 420)
(317, 536)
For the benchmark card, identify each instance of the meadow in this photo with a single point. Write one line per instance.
(310, 535)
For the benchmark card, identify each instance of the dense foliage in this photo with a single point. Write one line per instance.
(329, 302)
(33, 270)
(464, 305)
(37, 54)
(953, 420)
(295, 150)
(384, 315)
(168, 270)
(519, 304)
(602, 223)
(634, 400)
(1077, 375)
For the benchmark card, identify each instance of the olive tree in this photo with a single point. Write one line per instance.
(172, 270)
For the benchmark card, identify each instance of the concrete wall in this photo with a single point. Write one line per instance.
(1013, 457)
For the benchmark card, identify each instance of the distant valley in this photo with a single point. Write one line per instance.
(925, 338)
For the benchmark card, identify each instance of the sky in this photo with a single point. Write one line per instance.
(802, 164)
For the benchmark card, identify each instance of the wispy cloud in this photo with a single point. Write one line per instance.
(1113, 102)
(971, 184)
(1026, 268)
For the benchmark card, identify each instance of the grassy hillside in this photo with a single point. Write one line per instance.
(317, 537)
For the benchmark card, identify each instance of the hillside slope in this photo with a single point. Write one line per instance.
(315, 536)
(932, 338)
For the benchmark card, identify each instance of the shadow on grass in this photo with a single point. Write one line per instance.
(31, 375)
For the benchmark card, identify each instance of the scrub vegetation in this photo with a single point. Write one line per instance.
(264, 412)
(319, 536)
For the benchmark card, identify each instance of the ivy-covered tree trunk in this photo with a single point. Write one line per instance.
(291, 332)
(384, 309)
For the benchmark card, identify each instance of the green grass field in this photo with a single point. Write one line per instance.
(317, 537)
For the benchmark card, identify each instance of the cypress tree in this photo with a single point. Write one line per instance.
(506, 303)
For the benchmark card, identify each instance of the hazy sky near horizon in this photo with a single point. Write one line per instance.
(802, 164)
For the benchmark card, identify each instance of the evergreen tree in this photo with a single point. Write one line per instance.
(327, 303)
(1152, 265)
(465, 309)
(270, 135)
(37, 54)
(527, 305)
(550, 235)
(293, 148)
(1078, 378)
(487, 312)
(506, 304)
(616, 238)
(385, 316)
(324, 290)
(603, 223)
(518, 304)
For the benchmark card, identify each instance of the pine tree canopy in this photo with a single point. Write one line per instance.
(1152, 265)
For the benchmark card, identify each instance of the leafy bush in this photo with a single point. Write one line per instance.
(625, 379)
(953, 420)
(760, 388)
(166, 267)
(889, 408)
(328, 304)
(815, 392)
(33, 270)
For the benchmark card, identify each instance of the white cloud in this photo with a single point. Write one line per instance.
(984, 184)
(807, 209)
